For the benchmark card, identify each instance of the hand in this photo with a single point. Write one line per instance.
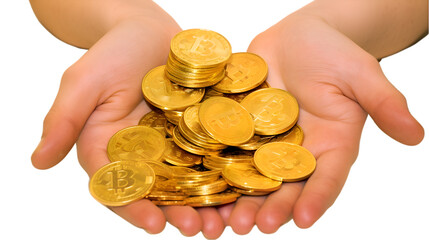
(336, 84)
(101, 94)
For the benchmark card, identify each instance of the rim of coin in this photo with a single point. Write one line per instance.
(284, 161)
(245, 176)
(294, 135)
(177, 156)
(213, 199)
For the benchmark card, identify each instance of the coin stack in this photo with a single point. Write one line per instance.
(197, 58)
(205, 146)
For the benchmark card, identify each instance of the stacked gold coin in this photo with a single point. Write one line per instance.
(197, 58)
(208, 145)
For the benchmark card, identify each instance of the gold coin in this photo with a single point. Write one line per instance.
(179, 157)
(191, 122)
(186, 145)
(245, 176)
(198, 47)
(244, 71)
(226, 121)
(160, 169)
(120, 183)
(173, 116)
(212, 200)
(166, 196)
(154, 119)
(274, 110)
(238, 97)
(168, 202)
(169, 128)
(255, 142)
(163, 94)
(136, 143)
(284, 161)
(250, 192)
(207, 189)
(232, 155)
(294, 135)
(169, 185)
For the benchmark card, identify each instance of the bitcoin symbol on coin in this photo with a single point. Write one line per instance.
(237, 73)
(283, 161)
(270, 110)
(202, 46)
(120, 179)
(227, 120)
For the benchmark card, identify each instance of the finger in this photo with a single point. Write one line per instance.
(243, 215)
(277, 208)
(213, 225)
(225, 212)
(184, 218)
(324, 186)
(386, 105)
(143, 214)
(74, 103)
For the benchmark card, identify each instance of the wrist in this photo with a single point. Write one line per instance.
(382, 28)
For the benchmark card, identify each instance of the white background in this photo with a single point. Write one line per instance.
(386, 195)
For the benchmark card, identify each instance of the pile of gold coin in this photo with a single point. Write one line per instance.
(207, 141)
(197, 58)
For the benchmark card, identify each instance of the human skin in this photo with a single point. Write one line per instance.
(324, 54)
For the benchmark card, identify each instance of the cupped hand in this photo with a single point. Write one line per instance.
(336, 84)
(101, 94)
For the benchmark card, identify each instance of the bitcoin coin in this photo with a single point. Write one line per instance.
(274, 110)
(294, 135)
(245, 176)
(284, 161)
(212, 200)
(255, 142)
(188, 146)
(226, 121)
(154, 119)
(120, 183)
(244, 71)
(200, 48)
(163, 94)
(136, 143)
(179, 157)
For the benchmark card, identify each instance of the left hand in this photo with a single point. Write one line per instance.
(336, 84)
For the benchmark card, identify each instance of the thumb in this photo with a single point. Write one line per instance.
(387, 106)
(65, 119)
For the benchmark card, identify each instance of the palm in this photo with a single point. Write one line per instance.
(316, 70)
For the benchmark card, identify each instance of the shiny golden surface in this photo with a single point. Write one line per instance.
(163, 94)
(245, 176)
(154, 119)
(274, 110)
(244, 72)
(198, 47)
(160, 169)
(179, 157)
(284, 161)
(120, 183)
(136, 143)
(256, 142)
(186, 145)
(294, 135)
(212, 200)
(226, 121)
